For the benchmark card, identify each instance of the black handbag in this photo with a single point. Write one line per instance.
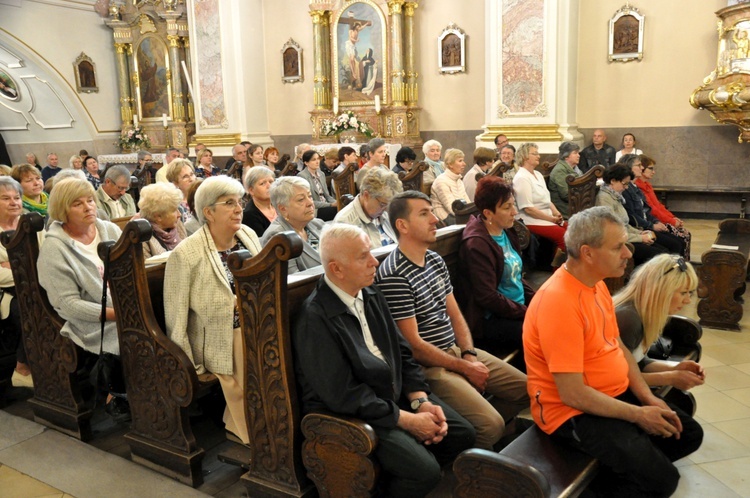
(661, 349)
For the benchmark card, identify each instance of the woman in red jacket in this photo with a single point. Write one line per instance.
(673, 223)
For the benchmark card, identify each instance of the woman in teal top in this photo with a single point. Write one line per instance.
(493, 294)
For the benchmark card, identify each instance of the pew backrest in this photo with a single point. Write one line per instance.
(582, 189)
(343, 184)
(414, 179)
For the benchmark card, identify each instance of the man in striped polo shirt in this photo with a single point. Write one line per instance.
(416, 284)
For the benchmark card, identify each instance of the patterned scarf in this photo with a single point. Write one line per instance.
(36, 207)
(168, 239)
(437, 166)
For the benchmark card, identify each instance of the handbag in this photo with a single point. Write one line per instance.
(661, 349)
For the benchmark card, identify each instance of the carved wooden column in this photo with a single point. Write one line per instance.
(398, 96)
(320, 82)
(412, 93)
(123, 81)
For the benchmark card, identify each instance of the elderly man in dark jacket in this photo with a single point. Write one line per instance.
(353, 361)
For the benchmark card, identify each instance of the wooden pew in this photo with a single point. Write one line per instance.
(343, 184)
(414, 179)
(723, 275)
(536, 466)
(58, 402)
(160, 379)
(582, 189)
(337, 452)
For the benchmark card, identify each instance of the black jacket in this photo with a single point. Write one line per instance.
(335, 370)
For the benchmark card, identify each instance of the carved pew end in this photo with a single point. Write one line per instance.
(75, 423)
(338, 455)
(488, 474)
(184, 467)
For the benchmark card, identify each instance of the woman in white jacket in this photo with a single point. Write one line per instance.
(199, 299)
(449, 186)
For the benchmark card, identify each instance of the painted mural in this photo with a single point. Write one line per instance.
(359, 43)
(212, 109)
(523, 56)
(151, 57)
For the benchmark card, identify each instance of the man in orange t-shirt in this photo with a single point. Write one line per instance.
(586, 389)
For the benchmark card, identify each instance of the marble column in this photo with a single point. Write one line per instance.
(320, 81)
(123, 81)
(412, 93)
(398, 96)
(178, 102)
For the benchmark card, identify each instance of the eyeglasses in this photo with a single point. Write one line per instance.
(231, 203)
(680, 263)
(382, 204)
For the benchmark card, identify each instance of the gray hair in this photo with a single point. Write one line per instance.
(256, 174)
(381, 183)
(142, 154)
(116, 172)
(158, 198)
(522, 155)
(375, 143)
(587, 228)
(329, 249)
(567, 148)
(212, 189)
(8, 183)
(283, 189)
(430, 143)
(68, 173)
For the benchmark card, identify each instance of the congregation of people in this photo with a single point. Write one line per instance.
(399, 343)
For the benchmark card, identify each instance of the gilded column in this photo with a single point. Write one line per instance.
(398, 96)
(123, 82)
(190, 110)
(411, 75)
(319, 19)
(327, 70)
(178, 102)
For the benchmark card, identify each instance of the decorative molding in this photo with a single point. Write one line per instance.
(51, 116)
(11, 60)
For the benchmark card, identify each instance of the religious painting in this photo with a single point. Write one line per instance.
(8, 87)
(626, 35)
(452, 50)
(152, 67)
(85, 72)
(359, 53)
(291, 62)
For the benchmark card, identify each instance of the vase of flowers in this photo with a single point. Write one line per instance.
(134, 140)
(346, 127)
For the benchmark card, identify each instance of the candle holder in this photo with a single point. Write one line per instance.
(166, 135)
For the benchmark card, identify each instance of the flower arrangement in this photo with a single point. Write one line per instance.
(134, 139)
(346, 121)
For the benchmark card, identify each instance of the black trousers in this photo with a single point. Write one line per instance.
(12, 326)
(412, 469)
(633, 462)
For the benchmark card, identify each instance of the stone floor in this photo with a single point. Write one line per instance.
(38, 462)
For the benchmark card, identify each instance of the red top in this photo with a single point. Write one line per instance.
(657, 208)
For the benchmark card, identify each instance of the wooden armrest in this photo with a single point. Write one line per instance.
(338, 455)
(484, 473)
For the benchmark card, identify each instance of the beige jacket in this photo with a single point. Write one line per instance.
(199, 303)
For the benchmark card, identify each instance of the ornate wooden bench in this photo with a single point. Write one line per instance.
(723, 275)
(343, 185)
(160, 379)
(58, 402)
(414, 179)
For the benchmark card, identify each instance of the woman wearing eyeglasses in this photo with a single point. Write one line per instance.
(292, 200)
(658, 288)
(199, 299)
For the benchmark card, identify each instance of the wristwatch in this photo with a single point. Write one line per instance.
(416, 403)
(468, 351)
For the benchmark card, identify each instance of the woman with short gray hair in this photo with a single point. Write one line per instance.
(377, 150)
(259, 213)
(199, 295)
(159, 205)
(432, 150)
(368, 211)
(11, 208)
(291, 197)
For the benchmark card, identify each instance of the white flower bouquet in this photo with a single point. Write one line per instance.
(134, 139)
(345, 122)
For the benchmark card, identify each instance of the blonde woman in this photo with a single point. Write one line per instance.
(181, 174)
(449, 187)
(660, 287)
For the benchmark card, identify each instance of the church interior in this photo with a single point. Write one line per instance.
(80, 74)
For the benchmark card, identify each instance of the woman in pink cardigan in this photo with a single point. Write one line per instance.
(659, 210)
